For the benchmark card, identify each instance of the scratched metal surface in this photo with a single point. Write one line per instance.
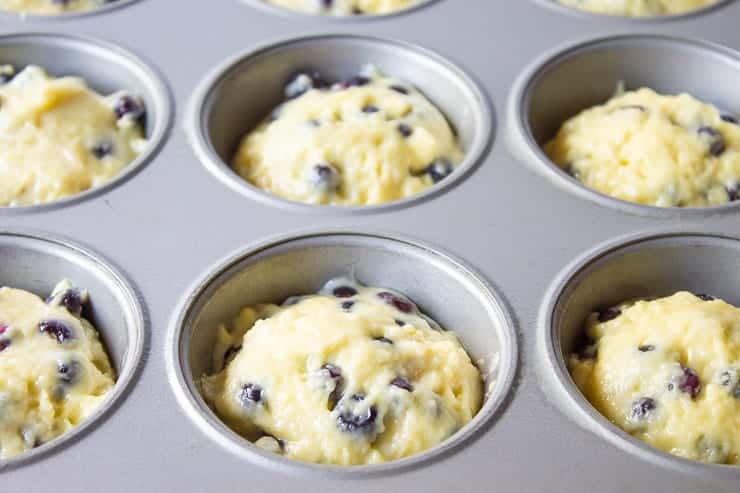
(171, 222)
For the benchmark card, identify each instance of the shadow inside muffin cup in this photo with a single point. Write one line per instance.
(587, 74)
(275, 9)
(646, 266)
(241, 93)
(566, 9)
(443, 288)
(106, 69)
(36, 263)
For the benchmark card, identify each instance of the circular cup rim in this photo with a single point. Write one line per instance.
(66, 16)
(553, 366)
(133, 357)
(264, 6)
(523, 145)
(161, 125)
(557, 7)
(191, 401)
(195, 126)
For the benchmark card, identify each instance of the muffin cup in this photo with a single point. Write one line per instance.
(571, 79)
(558, 7)
(444, 289)
(274, 9)
(69, 15)
(36, 262)
(642, 266)
(219, 114)
(62, 54)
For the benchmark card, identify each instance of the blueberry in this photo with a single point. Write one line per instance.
(384, 340)
(642, 408)
(356, 81)
(334, 373)
(399, 303)
(354, 421)
(347, 305)
(405, 130)
(646, 348)
(400, 323)
(231, 352)
(439, 169)
(4, 344)
(250, 395)
(609, 314)
(130, 107)
(69, 373)
(325, 177)
(370, 109)
(399, 89)
(57, 329)
(733, 192)
(344, 292)
(402, 383)
(102, 149)
(729, 119)
(688, 382)
(705, 297)
(716, 141)
(71, 299)
(731, 379)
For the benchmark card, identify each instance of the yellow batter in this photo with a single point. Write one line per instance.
(365, 141)
(667, 371)
(345, 7)
(653, 149)
(47, 7)
(638, 8)
(353, 375)
(54, 372)
(59, 138)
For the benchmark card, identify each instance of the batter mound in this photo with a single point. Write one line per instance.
(59, 138)
(54, 372)
(352, 375)
(47, 7)
(638, 8)
(652, 149)
(345, 7)
(364, 141)
(667, 371)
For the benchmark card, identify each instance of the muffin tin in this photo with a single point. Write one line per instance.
(507, 259)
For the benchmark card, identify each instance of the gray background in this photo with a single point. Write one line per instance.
(172, 221)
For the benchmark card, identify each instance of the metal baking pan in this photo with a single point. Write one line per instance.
(508, 250)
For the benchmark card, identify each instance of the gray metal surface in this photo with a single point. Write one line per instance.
(173, 222)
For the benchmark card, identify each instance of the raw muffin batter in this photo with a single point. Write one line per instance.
(367, 140)
(345, 7)
(638, 8)
(353, 375)
(59, 138)
(54, 372)
(667, 371)
(51, 6)
(648, 148)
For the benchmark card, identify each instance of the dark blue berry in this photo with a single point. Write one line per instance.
(642, 408)
(729, 119)
(646, 348)
(705, 297)
(250, 395)
(102, 149)
(344, 292)
(347, 305)
(405, 130)
(370, 109)
(399, 303)
(129, 106)
(399, 89)
(402, 383)
(688, 382)
(716, 141)
(439, 169)
(57, 329)
(69, 373)
(384, 340)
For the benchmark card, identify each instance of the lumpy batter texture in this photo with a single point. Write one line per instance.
(345, 7)
(667, 371)
(364, 141)
(51, 6)
(352, 375)
(638, 8)
(653, 149)
(59, 138)
(54, 372)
